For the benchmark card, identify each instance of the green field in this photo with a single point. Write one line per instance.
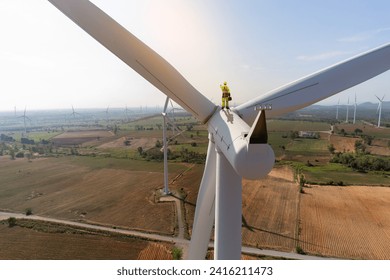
(337, 174)
(287, 125)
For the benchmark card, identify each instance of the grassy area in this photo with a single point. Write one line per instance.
(333, 173)
(367, 129)
(284, 125)
(300, 149)
(37, 136)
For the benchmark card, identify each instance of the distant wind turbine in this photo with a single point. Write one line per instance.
(346, 120)
(167, 120)
(74, 113)
(108, 120)
(379, 109)
(24, 120)
(354, 110)
(126, 113)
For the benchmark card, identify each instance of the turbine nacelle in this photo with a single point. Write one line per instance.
(244, 147)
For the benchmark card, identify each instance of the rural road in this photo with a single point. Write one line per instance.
(179, 241)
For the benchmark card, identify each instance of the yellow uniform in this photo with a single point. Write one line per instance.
(225, 95)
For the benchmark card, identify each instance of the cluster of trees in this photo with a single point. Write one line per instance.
(6, 138)
(27, 141)
(362, 162)
(296, 134)
(184, 155)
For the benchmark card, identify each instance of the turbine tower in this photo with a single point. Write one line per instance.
(107, 118)
(346, 119)
(237, 138)
(379, 109)
(166, 120)
(24, 120)
(354, 110)
(127, 113)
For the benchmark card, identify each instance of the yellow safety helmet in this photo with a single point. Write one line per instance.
(225, 83)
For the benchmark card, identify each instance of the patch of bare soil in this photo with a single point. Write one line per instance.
(156, 251)
(19, 243)
(343, 144)
(81, 136)
(270, 210)
(58, 188)
(346, 222)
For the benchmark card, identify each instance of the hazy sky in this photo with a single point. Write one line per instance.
(46, 61)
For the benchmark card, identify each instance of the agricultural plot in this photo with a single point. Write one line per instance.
(343, 144)
(270, 211)
(103, 191)
(80, 137)
(293, 125)
(156, 251)
(64, 243)
(346, 222)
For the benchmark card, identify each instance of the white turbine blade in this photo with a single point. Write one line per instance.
(205, 209)
(378, 98)
(320, 85)
(137, 55)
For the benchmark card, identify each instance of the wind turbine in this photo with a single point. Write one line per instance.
(24, 120)
(237, 138)
(107, 118)
(354, 110)
(379, 109)
(346, 120)
(166, 120)
(74, 113)
(127, 113)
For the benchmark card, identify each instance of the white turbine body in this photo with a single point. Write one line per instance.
(237, 139)
(354, 110)
(24, 121)
(379, 109)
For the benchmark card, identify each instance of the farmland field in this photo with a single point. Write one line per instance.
(65, 243)
(346, 222)
(104, 191)
(79, 137)
(270, 211)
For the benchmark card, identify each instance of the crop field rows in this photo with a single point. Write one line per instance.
(346, 222)
(270, 211)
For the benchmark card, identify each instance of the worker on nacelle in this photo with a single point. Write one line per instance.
(225, 95)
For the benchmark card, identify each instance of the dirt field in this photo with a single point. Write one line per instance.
(19, 243)
(80, 137)
(111, 192)
(346, 222)
(343, 144)
(270, 209)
